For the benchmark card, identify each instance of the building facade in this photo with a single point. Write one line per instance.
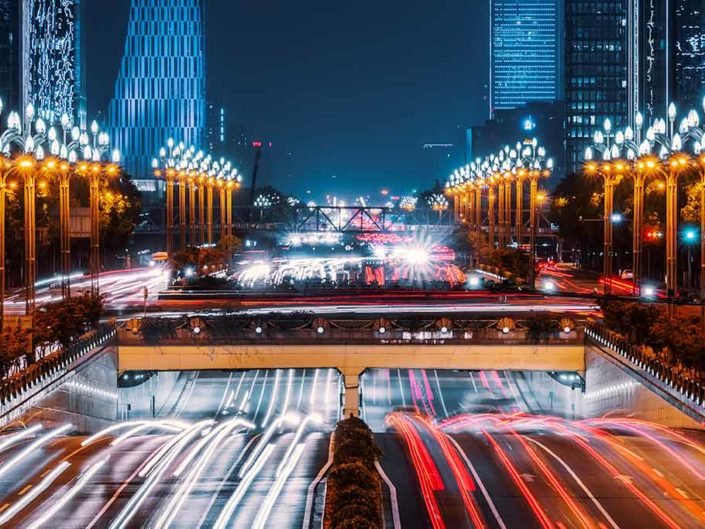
(596, 66)
(525, 52)
(52, 73)
(160, 90)
(10, 56)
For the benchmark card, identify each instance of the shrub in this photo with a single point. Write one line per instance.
(541, 327)
(354, 498)
(356, 522)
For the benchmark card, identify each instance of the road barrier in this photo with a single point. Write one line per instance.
(667, 377)
(44, 372)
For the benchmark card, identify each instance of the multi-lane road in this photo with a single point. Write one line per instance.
(466, 450)
(232, 450)
(460, 449)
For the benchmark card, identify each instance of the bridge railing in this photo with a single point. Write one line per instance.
(669, 376)
(51, 367)
(235, 331)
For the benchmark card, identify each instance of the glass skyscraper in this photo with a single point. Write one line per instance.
(690, 52)
(10, 57)
(52, 59)
(596, 61)
(160, 91)
(525, 56)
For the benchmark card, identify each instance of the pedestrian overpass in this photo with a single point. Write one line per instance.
(237, 342)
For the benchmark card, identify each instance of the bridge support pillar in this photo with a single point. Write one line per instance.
(351, 382)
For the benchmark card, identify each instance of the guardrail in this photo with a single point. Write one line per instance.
(233, 330)
(50, 368)
(666, 376)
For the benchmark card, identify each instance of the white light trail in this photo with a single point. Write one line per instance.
(272, 399)
(266, 508)
(175, 448)
(289, 418)
(30, 496)
(10, 463)
(289, 384)
(227, 512)
(213, 440)
(11, 439)
(163, 425)
(312, 398)
(313, 418)
(66, 497)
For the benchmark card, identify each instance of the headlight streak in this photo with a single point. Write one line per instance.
(266, 508)
(179, 439)
(30, 496)
(163, 425)
(241, 489)
(110, 429)
(287, 397)
(213, 440)
(68, 496)
(289, 418)
(312, 397)
(10, 463)
(13, 438)
(272, 399)
(160, 462)
(313, 418)
(223, 427)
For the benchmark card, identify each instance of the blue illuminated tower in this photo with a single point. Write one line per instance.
(525, 55)
(160, 90)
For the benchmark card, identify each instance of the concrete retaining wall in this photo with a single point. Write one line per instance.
(164, 387)
(613, 390)
(88, 399)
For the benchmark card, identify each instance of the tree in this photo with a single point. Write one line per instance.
(14, 344)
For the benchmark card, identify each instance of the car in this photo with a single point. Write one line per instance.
(627, 273)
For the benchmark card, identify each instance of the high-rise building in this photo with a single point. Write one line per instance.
(53, 77)
(160, 90)
(525, 52)
(596, 81)
(690, 52)
(10, 57)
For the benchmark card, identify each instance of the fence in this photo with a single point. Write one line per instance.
(671, 378)
(52, 366)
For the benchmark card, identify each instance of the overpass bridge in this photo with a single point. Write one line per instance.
(351, 345)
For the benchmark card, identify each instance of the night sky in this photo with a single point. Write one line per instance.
(346, 89)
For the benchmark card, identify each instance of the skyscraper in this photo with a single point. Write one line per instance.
(52, 59)
(690, 53)
(525, 56)
(10, 53)
(160, 90)
(596, 59)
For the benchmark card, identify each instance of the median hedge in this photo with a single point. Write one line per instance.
(354, 493)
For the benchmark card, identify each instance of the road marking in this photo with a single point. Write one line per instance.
(4, 507)
(21, 493)
(682, 493)
(480, 484)
(658, 472)
(472, 379)
(308, 510)
(401, 389)
(396, 519)
(577, 480)
(440, 393)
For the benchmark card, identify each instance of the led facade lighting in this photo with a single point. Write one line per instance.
(160, 90)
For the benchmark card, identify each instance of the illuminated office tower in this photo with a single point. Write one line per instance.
(525, 52)
(52, 60)
(160, 90)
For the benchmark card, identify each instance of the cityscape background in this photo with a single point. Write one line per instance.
(430, 86)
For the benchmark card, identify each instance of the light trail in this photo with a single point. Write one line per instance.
(161, 462)
(30, 496)
(272, 399)
(66, 497)
(289, 418)
(213, 440)
(174, 426)
(313, 418)
(241, 489)
(13, 438)
(290, 463)
(12, 462)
